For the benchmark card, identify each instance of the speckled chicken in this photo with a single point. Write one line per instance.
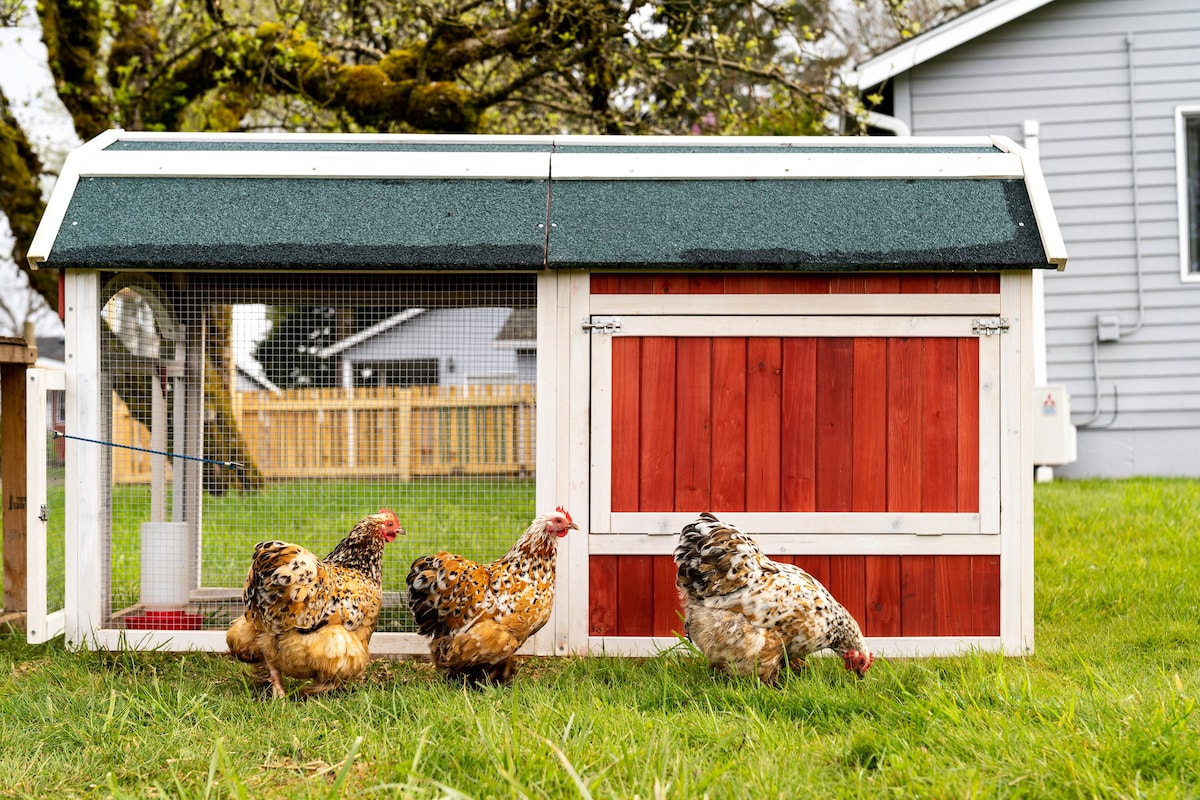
(745, 611)
(479, 614)
(310, 618)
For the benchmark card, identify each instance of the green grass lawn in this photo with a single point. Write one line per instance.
(1105, 707)
(477, 518)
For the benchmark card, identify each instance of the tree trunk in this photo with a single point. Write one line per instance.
(222, 433)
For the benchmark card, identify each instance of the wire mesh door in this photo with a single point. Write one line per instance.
(254, 407)
(44, 511)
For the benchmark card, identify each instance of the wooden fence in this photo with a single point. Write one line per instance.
(385, 432)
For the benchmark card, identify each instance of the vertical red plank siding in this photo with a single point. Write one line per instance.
(764, 370)
(750, 284)
(869, 460)
(810, 284)
(798, 455)
(774, 283)
(657, 454)
(848, 583)
(693, 424)
(706, 284)
(918, 599)
(918, 284)
(817, 566)
(835, 424)
(635, 596)
(883, 596)
(985, 585)
(847, 284)
(955, 283)
(665, 619)
(882, 284)
(602, 595)
(626, 423)
(968, 425)
(635, 284)
(939, 415)
(670, 283)
(887, 595)
(603, 283)
(729, 425)
(904, 424)
(955, 597)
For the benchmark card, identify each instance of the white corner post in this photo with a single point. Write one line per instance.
(86, 513)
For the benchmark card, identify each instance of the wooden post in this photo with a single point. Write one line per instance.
(15, 355)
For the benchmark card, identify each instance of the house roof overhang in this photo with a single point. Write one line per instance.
(936, 41)
(204, 202)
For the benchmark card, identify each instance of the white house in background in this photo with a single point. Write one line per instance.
(1108, 93)
(441, 346)
(50, 355)
(251, 378)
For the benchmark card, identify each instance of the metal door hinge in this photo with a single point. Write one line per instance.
(602, 324)
(989, 326)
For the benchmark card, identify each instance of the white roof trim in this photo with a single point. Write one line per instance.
(567, 165)
(798, 166)
(371, 332)
(922, 48)
(314, 164)
(1039, 199)
(60, 199)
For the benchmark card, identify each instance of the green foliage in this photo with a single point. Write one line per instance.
(441, 106)
(20, 195)
(1106, 707)
(595, 65)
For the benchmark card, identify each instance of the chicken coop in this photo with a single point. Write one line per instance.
(825, 341)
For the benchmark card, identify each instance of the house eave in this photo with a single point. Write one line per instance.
(939, 40)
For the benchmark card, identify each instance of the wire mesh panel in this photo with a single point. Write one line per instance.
(55, 499)
(43, 581)
(246, 408)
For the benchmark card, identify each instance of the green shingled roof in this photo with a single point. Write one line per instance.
(141, 201)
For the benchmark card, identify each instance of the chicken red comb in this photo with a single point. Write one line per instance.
(565, 513)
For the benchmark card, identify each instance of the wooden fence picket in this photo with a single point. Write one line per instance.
(376, 432)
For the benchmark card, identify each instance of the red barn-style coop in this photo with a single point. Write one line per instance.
(827, 342)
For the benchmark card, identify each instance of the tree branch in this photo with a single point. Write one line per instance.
(21, 199)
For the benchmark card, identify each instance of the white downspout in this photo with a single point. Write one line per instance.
(1137, 196)
(1108, 326)
(897, 126)
(1030, 141)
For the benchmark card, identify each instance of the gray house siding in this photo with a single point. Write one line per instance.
(1067, 65)
(462, 340)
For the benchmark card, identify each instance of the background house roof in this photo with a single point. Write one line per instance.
(227, 201)
(935, 41)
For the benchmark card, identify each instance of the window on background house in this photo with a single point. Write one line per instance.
(1187, 134)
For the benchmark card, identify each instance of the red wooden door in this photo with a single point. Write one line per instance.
(798, 428)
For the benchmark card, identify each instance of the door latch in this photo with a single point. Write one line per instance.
(602, 324)
(989, 326)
